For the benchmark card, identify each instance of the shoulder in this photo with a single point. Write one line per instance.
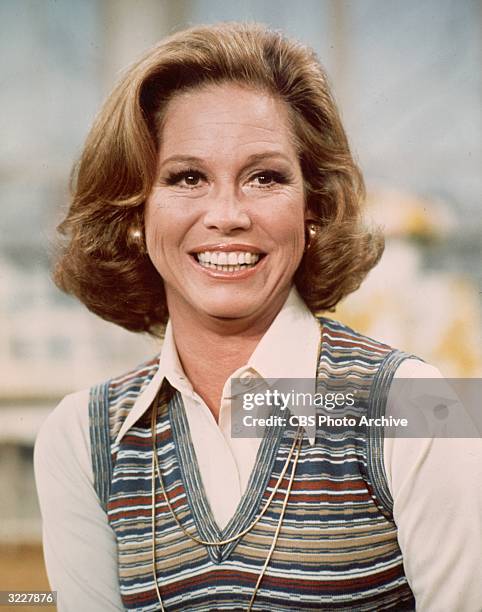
(338, 334)
(64, 437)
(67, 420)
(416, 368)
(343, 349)
(62, 444)
(409, 367)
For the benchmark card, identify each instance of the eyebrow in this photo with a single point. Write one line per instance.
(252, 159)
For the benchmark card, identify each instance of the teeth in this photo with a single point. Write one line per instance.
(227, 261)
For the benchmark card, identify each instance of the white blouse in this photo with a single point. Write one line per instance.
(436, 483)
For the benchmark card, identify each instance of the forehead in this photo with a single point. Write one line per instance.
(226, 118)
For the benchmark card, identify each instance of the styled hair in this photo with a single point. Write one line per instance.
(102, 261)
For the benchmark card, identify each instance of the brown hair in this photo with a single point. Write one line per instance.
(104, 265)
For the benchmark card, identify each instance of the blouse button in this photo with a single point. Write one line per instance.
(247, 378)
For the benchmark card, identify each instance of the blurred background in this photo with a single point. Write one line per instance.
(408, 81)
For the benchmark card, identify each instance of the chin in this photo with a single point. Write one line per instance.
(229, 311)
(233, 307)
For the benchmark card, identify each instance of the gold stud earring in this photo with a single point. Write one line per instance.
(135, 233)
(311, 231)
(135, 237)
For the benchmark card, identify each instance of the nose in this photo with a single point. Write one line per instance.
(226, 213)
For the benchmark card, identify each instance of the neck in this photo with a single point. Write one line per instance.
(211, 349)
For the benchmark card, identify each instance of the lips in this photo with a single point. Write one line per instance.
(228, 258)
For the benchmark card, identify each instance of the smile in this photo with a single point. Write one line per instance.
(232, 261)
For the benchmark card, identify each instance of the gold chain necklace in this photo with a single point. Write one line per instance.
(297, 441)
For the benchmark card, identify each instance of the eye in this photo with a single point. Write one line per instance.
(267, 178)
(186, 178)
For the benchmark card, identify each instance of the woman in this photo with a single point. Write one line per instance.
(217, 202)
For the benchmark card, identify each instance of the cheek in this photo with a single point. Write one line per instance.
(155, 225)
(151, 224)
(167, 223)
(290, 219)
(288, 229)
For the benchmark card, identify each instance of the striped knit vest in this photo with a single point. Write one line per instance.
(337, 548)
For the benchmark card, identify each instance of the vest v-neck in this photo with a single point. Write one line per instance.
(250, 502)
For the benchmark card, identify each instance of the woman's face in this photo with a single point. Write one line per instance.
(225, 217)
